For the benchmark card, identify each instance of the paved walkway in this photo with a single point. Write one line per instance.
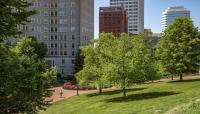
(66, 93)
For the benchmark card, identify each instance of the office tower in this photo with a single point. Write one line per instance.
(135, 12)
(113, 20)
(171, 13)
(63, 26)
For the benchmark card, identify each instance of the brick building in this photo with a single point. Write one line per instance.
(113, 20)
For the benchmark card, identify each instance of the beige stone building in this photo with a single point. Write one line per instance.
(63, 26)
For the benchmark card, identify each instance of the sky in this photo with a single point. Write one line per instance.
(153, 12)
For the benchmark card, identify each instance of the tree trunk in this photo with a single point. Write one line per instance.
(77, 88)
(124, 92)
(172, 77)
(181, 77)
(100, 89)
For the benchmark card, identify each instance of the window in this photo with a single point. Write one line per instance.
(51, 13)
(65, 37)
(51, 45)
(46, 29)
(51, 37)
(73, 61)
(65, 45)
(56, 45)
(56, 37)
(65, 53)
(63, 29)
(63, 21)
(51, 5)
(63, 61)
(45, 13)
(56, 53)
(72, 45)
(51, 21)
(72, 53)
(73, 37)
(51, 52)
(51, 29)
(61, 53)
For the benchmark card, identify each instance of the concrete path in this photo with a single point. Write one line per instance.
(66, 93)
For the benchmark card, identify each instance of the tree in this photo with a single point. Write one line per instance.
(92, 71)
(120, 61)
(131, 62)
(25, 79)
(79, 61)
(178, 48)
(29, 46)
(13, 13)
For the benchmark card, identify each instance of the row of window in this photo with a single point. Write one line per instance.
(115, 2)
(64, 45)
(51, 5)
(56, 53)
(132, 29)
(62, 37)
(63, 61)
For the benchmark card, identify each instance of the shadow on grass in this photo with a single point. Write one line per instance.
(188, 80)
(114, 92)
(142, 96)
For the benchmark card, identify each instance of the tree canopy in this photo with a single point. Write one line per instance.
(25, 79)
(13, 13)
(121, 61)
(178, 49)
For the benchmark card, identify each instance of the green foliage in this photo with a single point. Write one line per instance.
(93, 70)
(25, 81)
(122, 61)
(131, 61)
(178, 48)
(12, 13)
(29, 46)
(79, 61)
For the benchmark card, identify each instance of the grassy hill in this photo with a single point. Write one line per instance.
(155, 98)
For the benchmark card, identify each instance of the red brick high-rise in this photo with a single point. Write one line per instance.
(113, 20)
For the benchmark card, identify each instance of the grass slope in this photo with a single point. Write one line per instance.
(155, 98)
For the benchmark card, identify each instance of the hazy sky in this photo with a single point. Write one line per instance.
(153, 12)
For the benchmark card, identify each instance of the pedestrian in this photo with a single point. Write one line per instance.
(61, 93)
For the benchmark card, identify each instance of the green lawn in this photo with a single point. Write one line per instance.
(154, 98)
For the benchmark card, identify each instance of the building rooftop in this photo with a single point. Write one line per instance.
(176, 9)
(111, 9)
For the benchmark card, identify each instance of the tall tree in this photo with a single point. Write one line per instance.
(178, 48)
(25, 80)
(131, 62)
(13, 13)
(79, 61)
(93, 70)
